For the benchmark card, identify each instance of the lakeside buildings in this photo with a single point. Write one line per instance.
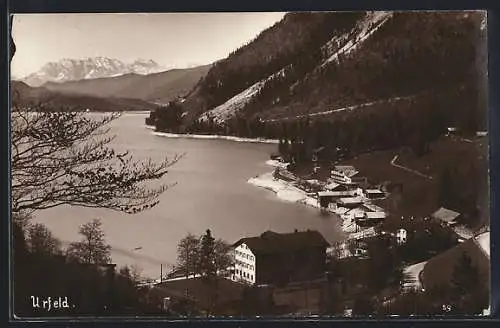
(276, 258)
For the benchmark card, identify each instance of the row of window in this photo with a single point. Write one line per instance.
(244, 265)
(244, 255)
(244, 274)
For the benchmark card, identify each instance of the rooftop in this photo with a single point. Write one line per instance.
(351, 200)
(347, 170)
(484, 242)
(375, 215)
(273, 242)
(335, 193)
(374, 191)
(445, 214)
(356, 212)
(332, 186)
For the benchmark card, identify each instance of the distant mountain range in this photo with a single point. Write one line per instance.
(32, 97)
(158, 88)
(89, 68)
(95, 83)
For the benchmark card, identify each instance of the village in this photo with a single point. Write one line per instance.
(300, 273)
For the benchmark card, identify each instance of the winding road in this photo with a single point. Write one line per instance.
(393, 163)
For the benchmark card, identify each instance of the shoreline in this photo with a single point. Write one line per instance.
(210, 137)
(286, 191)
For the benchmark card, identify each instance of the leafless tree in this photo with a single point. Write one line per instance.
(92, 248)
(188, 254)
(65, 158)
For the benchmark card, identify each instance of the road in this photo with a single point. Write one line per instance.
(393, 163)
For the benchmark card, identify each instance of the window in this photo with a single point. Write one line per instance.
(251, 276)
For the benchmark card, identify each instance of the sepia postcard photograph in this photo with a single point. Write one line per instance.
(250, 164)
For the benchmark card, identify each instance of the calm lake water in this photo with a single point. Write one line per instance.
(211, 192)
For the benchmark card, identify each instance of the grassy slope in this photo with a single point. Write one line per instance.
(420, 195)
(439, 269)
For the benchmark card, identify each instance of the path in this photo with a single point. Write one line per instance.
(393, 163)
(412, 275)
(348, 108)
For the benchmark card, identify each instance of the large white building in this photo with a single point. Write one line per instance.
(343, 174)
(273, 258)
(244, 264)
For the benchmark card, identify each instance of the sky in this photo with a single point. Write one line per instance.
(173, 40)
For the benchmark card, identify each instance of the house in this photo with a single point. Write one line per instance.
(451, 130)
(350, 202)
(244, 264)
(276, 258)
(333, 186)
(401, 236)
(310, 185)
(325, 198)
(371, 218)
(353, 214)
(372, 207)
(446, 216)
(374, 194)
(343, 174)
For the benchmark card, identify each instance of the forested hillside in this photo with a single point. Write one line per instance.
(403, 69)
(295, 39)
(25, 96)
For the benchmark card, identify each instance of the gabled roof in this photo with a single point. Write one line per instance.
(347, 170)
(332, 186)
(273, 242)
(373, 207)
(483, 240)
(445, 215)
(374, 191)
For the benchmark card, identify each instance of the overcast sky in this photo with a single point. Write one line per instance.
(172, 40)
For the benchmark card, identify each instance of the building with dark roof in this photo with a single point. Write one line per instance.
(446, 216)
(277, 258)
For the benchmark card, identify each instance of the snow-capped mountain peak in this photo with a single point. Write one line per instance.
(68, 69)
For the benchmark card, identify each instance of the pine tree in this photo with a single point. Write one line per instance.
(465, 276)
(207, 256)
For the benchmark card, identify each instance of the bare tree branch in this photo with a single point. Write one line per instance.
(65, 158)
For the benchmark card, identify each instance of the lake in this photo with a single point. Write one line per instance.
(211, 191)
